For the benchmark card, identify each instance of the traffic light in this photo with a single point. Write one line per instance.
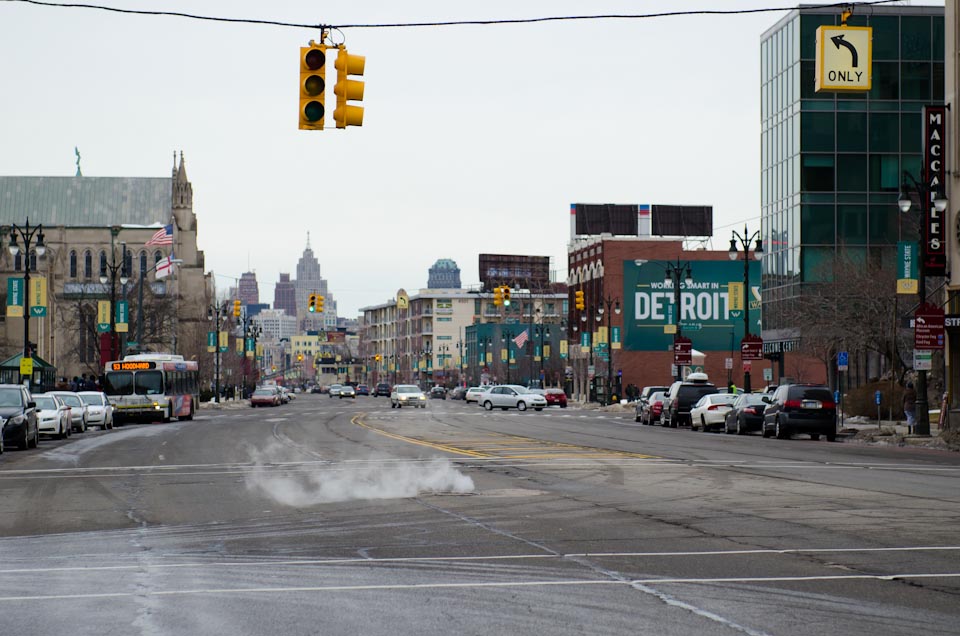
(313, 60)
(236, 308)
(320, 304)
(377, 357)
(506, 296)
(578, 300)
(498, 296)
(347, 89)
(299, 357)
(312, 303)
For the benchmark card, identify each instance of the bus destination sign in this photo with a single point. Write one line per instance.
(132, 366)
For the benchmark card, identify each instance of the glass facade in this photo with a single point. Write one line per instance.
(832, 163)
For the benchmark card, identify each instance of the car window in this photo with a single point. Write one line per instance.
(10, 397)
(822, 394)
(45, 403)
(407, 389)
(71, 400)
(95, 400)
(723, 398)
(656, 395)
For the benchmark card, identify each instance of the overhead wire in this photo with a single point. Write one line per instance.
(447, 23)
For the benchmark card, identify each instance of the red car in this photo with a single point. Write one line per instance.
(555, 397)
(265, 397)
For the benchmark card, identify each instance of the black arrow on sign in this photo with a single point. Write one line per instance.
(839, 41)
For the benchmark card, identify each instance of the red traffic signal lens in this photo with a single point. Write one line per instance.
(314, 59)
(313, 85)
(313, 111)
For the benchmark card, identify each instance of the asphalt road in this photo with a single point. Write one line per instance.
(331, 516)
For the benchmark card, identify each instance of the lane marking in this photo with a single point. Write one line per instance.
(486, 584)
(457, 559)
(356, 419)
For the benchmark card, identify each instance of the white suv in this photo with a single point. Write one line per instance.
(407, 395)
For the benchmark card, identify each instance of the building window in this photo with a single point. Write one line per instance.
(915, 80)
(33, 261)
(817, 132)
(18, 262)
(87, 264)
(886, 83)
(884, 132)
(73, 263)
(884, 173)
(852, 173)
(103, 262)
(817, 173)
(143, 262)
(156, 257)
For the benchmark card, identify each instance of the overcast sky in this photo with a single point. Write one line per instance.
(475, 139)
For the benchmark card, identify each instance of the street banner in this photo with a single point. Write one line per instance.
(240, 343)
(38, 296)
(546, 351)
(15, 298)
(122, 317)
(602, 335)
(211, 341)
(934, 182)
(706, 314)
(735, 292)
(616, 337)
(103, 316)
(584, 339)
(503, 355)
(224, 341)
(907, 257)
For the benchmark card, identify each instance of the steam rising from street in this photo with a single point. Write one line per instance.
(352, 481)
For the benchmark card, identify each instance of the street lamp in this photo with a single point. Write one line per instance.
(615, 304)
(939, 202)
(217, 312)
(26, 234)
(109, 273)
(744, 240)
(672, 275)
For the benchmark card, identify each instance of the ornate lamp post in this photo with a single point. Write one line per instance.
(672, 276)
(929, 197)
(613, 303)
(110, 273)
(218, 314)
(744, 240)
(26, 234)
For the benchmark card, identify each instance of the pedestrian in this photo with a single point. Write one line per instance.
(732, 388)
(74, 384)
(910, 405)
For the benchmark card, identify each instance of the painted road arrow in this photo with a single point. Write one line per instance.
(839, 41)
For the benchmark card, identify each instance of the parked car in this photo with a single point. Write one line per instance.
(53, 416)
(99, 409)
(438, 393)
(473, 393)
(555, 397)
(78, 409)
(334, 390)
(800, 408)
(458, 393)
(347, 391)
(363, 389)
(407, 395)
(19, 414)
(746, 414)
(647, 391)
(507, 396)
(648, 410)
(316, 389)
(681, 397)
(265, 396)
(710, 411)
(383, 389)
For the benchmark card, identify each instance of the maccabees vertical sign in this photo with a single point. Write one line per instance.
(934, 174)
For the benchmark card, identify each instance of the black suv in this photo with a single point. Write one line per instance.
(382, 389)
(800, 408)
(682, 396)
(18, 412)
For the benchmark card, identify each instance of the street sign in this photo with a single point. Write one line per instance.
(768, 374)
(747, 366)
(728, 363)
(682, 351)
(843, 360)
(751, 348)
(844, 59)
(26, 366)
(922, 360)
(928, 327)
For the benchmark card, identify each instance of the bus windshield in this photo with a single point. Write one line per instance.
(149, 382)
(118, 383)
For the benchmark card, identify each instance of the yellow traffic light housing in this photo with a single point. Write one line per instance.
(312, 303)
(320, 304)
(299, 357)
(498, 296)
(347, 89)
(313, 60)
(506, 296)
(578, 300)
(236, 308)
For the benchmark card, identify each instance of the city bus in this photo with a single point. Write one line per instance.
(152, 387)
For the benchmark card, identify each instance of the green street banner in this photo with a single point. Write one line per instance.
(908, 281)
(706, 315)
(211, 341)
(15, 298)
(122, 317)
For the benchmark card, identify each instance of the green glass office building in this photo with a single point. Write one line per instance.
(832, 163)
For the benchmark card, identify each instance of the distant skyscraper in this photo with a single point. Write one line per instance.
(309, 282)
(285, 296)
(247, 289)
(444, 275)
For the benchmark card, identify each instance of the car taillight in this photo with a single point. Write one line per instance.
(828, 405)
(750, 410)
(714, 407)
(792, 404)
(657, 407)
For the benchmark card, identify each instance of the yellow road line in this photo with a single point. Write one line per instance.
(443, 447)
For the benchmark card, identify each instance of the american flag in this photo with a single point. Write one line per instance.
(164, 236)
(521, 339)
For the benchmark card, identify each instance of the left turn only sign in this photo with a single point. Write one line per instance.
(844, 58)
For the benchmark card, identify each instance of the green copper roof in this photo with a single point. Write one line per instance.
(85, 201)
